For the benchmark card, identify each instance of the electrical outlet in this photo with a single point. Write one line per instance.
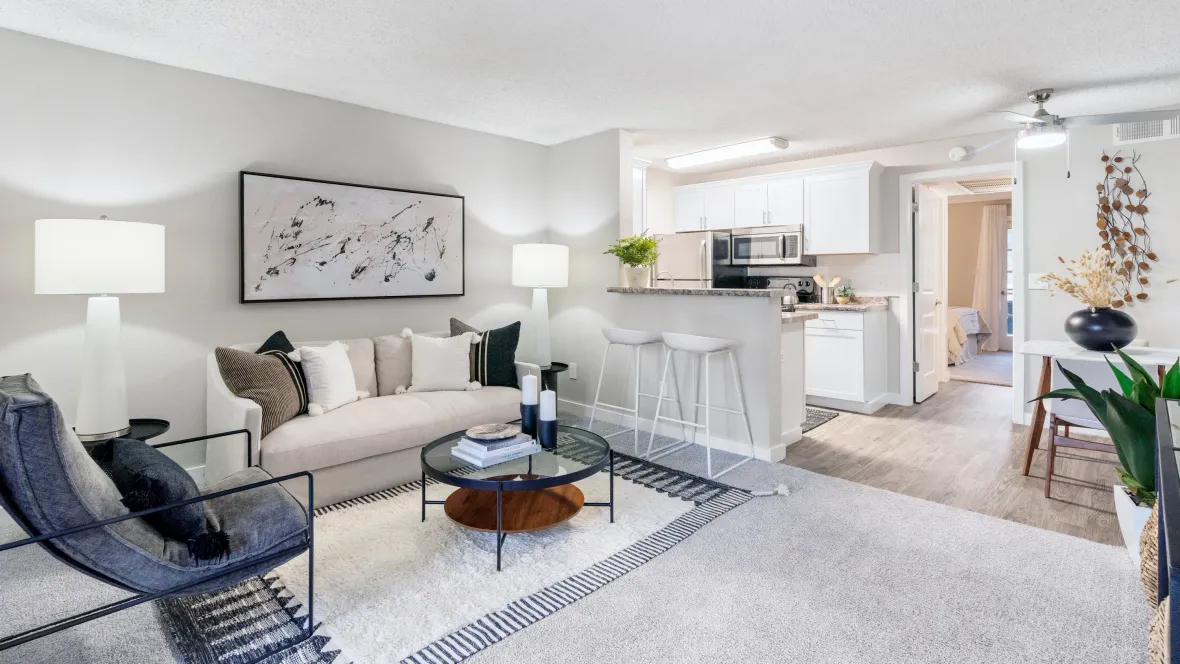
(573, 370)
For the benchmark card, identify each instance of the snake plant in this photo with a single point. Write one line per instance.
(1129, 418)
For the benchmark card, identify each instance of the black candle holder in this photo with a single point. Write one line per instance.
(528, 419)
(547, 434)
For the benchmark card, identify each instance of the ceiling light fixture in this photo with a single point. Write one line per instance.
(1036, 136)
(747, 149)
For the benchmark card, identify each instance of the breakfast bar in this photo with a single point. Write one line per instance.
(769, 355)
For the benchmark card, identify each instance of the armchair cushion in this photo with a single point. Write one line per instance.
(148, 478)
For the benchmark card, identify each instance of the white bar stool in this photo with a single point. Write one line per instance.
(703, 348)
(638, 340)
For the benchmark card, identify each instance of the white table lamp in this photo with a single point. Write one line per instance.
(99, 257)
(541, 266)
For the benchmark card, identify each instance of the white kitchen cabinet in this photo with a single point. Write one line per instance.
(840, 210)
(689, 212)
(846, 360)
(719, 207)
(750, 205)
(784, 202)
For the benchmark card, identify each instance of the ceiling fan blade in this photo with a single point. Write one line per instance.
(1019, 117)
(1119, 118)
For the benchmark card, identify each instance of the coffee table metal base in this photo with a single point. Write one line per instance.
(527, 511)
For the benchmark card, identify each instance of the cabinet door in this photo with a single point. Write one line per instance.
(750, 206)
(834, 366)
(785, 202)
(719, 207)
(689, 210)
(836, 214)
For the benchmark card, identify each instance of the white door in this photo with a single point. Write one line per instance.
(750, 205)
(689, 209)
(719, 207)
(837, 214)
(784, 202)
(1005, 331)
(928, 351)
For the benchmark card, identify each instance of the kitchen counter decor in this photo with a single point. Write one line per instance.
(637, 254)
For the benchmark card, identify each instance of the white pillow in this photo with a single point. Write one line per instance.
(330, 381)
(442, 363)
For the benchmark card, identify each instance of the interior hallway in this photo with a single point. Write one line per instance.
(960, 448)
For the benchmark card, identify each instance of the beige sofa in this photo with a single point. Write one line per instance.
(366, 446)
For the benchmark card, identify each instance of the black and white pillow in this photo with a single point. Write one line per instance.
(278, 346)
(493, 359)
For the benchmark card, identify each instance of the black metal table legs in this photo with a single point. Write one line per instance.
(499, 522)
(611, 480)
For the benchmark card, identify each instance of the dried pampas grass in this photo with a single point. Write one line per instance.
(1092, 279)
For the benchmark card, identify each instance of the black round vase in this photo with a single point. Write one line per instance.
(1102, 329)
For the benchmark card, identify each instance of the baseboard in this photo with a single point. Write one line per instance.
(197, 473)
(864, 408)
(774, 454)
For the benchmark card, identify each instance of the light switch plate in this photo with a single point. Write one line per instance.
(1037, 282)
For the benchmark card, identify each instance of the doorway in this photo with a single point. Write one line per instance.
(951, 330)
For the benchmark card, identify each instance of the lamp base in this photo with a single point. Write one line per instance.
(541, 315)
(102, 395)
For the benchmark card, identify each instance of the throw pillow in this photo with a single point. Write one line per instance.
(493, 359)
(263, 379)
(278, 345)
(147, 478)
(330, 381)
(441, 363)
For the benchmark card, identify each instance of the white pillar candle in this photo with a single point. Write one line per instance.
(528, 390)
(549, 405)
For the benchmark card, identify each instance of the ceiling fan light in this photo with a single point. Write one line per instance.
(1035, 137)
(737, 151)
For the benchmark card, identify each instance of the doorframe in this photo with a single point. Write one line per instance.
(906, 184)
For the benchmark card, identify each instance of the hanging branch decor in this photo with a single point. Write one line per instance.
(1122, 225)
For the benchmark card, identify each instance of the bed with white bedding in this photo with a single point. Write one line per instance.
(965, 332)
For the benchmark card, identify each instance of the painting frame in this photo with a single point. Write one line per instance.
(242, 267)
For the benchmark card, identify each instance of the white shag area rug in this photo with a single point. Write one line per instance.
(388, 584)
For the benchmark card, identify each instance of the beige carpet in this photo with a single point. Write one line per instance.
(990, 368)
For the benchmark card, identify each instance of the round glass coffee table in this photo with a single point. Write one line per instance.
(523, 495)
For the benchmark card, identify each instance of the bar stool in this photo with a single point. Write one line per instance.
(703, 349)
(638, 340)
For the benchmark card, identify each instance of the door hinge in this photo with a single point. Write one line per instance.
(915, 367)
(914, 207)
(915, 287)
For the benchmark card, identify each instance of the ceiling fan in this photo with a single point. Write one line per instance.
(1043, 129)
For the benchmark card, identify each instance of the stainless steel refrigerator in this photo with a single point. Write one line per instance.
(696, 260)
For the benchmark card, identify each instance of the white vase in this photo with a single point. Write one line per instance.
(636, 277)
(1132, 519)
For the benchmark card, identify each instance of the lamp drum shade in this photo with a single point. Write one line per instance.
(98, 256)
(540, 265)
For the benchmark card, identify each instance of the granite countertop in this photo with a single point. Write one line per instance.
(859, 304)
(726, 292)
(798, 316)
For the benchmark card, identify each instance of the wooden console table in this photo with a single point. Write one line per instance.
(1161, 358)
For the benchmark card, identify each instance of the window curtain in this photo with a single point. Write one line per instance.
(990, 273)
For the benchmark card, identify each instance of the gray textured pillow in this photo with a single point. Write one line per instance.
(493, 359)
(263, 379)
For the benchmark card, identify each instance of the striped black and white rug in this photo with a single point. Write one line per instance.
(657, 508)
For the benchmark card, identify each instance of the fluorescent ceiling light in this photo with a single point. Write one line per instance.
(1037, 136)
(747, 149)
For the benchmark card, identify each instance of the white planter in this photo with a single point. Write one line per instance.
(636, 277)
(1132, 519)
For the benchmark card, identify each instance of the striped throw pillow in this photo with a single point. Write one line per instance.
(493, 359)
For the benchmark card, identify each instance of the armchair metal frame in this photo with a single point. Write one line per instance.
(140, 598)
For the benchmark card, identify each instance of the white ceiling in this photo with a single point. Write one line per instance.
(828, 75)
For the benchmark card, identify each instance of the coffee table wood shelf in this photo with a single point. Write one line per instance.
(523, 511)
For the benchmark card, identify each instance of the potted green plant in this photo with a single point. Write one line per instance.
(637, 254)
(844, 293)
(1129, 418)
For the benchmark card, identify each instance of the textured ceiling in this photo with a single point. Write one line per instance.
(828, 75)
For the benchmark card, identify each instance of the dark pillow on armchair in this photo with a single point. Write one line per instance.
(493, 359)
(147, 478)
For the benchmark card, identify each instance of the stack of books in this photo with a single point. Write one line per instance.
(485, 453)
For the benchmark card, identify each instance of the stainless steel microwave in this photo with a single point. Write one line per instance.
(768, 245)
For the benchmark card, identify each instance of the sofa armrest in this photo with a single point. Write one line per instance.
(225, 411)
(527, 369)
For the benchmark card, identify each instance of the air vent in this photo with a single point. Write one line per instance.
(987, 185)
(1150, 130)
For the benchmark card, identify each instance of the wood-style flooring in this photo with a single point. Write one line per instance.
(960, 448)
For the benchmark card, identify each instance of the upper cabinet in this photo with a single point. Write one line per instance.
(838, 206)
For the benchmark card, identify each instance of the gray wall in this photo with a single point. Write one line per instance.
(86, 133)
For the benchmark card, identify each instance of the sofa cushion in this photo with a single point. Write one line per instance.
(392, 353)
(360, 355)
(381, 425)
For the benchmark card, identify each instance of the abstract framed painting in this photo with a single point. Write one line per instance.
(304, 239)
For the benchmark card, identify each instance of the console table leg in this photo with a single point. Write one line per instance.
(499, 522)
(1033, 441)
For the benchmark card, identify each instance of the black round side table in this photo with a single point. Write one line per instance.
(143, 428)
(549, 375)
